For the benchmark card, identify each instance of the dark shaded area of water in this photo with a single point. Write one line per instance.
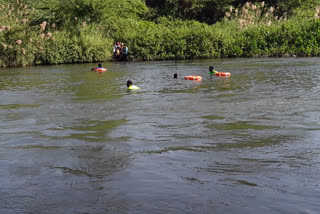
(75, 141)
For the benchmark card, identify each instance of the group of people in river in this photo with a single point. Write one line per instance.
(131, 86)
(212, 71)
(120, 51)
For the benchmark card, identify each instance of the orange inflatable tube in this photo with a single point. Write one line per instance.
(100, 69)
(223, 74)
(193, 77)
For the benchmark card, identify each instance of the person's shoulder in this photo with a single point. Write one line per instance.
(133, 87)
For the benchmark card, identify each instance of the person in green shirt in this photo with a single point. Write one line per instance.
(212, 71)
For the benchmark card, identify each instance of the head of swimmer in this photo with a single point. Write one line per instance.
(99, 65)
(129, 83)
(175, 76)
(211, 68)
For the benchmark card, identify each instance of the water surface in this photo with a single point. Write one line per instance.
(75, 141)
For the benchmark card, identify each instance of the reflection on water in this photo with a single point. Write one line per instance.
(75, 141)
(87, 130)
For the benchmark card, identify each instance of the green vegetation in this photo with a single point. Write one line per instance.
(53, 31)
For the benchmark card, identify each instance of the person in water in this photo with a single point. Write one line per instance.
(99, 67)
(175, 76)
(212, 70)
(131, 86)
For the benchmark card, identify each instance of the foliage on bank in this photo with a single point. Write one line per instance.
(52, 32)
(251, 30)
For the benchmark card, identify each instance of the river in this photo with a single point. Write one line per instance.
(76, 141)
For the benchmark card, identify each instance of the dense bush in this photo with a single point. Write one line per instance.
(210, 12)
(32, 36)
(53, 32)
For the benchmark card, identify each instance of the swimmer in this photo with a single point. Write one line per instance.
(212, 71)
(131, 86)
(99, 68)
(175, 76)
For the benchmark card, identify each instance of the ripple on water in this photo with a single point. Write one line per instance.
(38, 147)
(241, 125)
(17, 106)
(87, 130)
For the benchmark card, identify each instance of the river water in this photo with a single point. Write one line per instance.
(75, 141)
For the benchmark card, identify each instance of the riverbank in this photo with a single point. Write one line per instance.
(32, 36)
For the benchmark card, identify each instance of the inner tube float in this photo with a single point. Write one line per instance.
(223, 74)
(133, 87)
(100, 69)
(193, 77)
